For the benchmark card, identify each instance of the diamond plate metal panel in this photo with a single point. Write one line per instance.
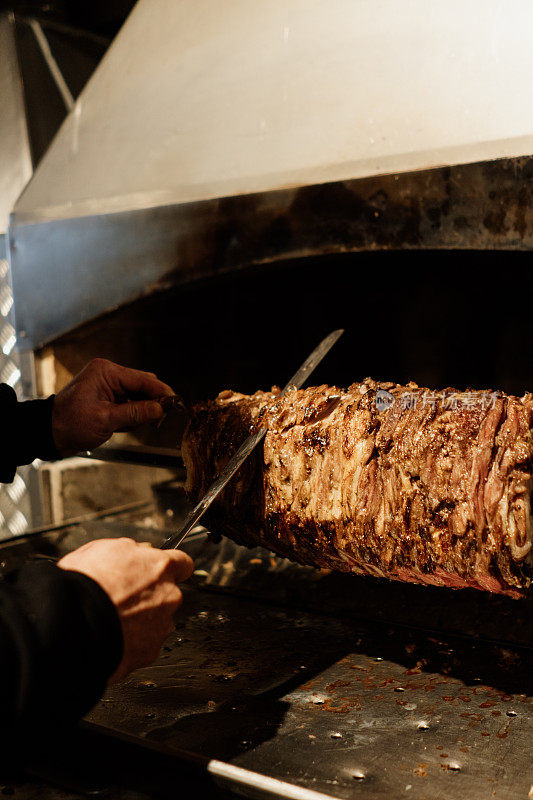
(15, 501)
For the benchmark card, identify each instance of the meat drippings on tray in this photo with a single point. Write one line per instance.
(379, 479)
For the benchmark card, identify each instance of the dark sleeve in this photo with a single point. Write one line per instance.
(60, 641)
(26, 432)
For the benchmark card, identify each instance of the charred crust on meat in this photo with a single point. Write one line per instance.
(430, 493)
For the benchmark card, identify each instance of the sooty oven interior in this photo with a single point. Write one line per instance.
(438, 317)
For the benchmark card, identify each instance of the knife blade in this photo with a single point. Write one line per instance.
(297, 380)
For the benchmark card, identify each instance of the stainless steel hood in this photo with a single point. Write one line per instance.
(217, 135)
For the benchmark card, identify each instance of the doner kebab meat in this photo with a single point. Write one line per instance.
(378, 479)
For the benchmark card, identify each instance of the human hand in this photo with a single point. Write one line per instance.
(141, 583)
(101, 399)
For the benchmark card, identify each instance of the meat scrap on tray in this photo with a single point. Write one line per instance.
(379, 479)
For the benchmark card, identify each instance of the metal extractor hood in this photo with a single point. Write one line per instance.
(218, 134)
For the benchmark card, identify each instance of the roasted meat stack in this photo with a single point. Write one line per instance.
(380, 479)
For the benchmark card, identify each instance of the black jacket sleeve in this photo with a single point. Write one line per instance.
(26, 432)
(60, 634)
(60, 641)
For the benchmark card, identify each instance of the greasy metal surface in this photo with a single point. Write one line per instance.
(475, 206)
(334, 703)
(294, 687)
(261, 575)
(341, 707)
(32, 788)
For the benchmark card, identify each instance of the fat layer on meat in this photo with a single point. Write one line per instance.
(380, 479)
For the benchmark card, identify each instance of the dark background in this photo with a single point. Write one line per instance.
(101, 17)
(440, 318)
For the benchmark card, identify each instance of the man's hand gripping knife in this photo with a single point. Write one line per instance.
(141, 584)
(102, 399)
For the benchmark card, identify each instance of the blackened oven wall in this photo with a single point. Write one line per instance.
(441, 318)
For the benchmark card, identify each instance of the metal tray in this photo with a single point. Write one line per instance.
(283, 682)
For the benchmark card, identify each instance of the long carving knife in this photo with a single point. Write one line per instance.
(248, 445)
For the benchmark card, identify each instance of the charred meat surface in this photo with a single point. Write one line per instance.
(380, 479)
